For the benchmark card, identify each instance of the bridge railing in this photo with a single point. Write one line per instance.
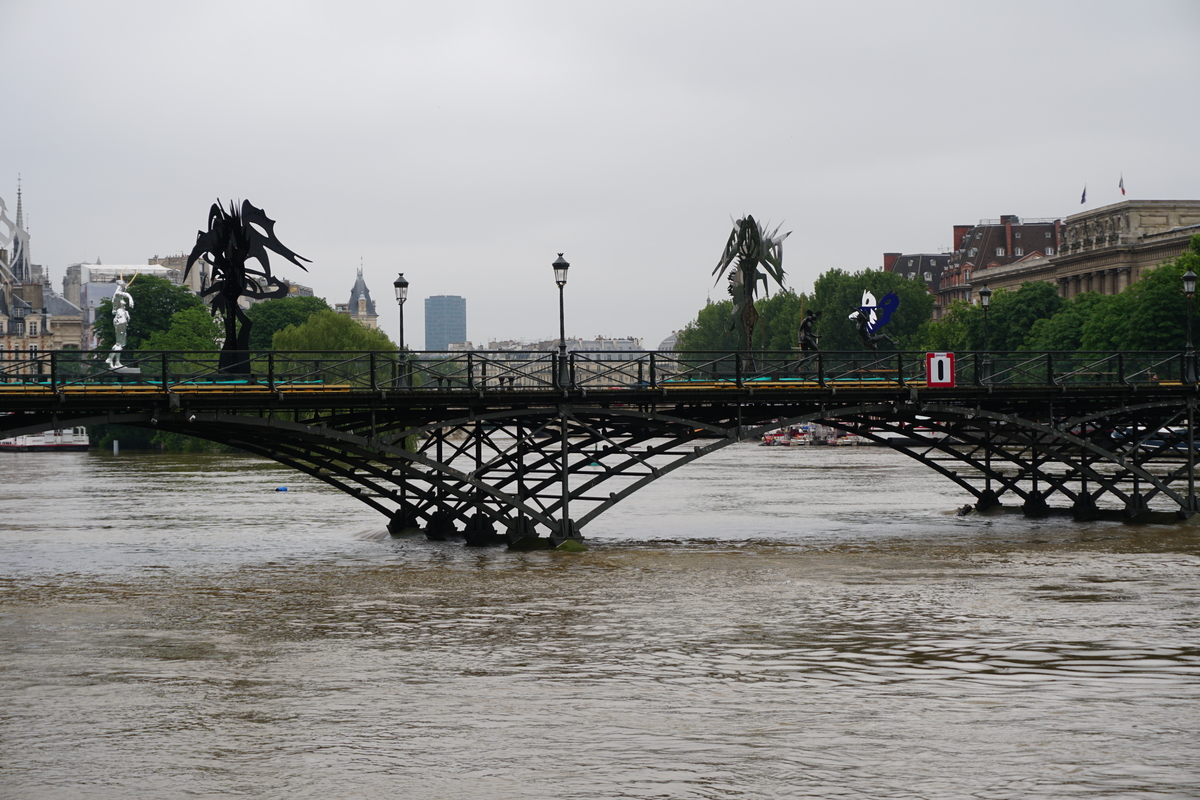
(534, 370)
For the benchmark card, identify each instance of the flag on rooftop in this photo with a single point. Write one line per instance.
(1083, 199)
(1121, 185)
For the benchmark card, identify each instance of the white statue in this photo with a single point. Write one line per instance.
(122, 301)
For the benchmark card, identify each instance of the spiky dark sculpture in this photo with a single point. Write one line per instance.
(750, 246)
(232, 238)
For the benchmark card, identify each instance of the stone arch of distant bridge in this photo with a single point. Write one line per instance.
(505, 474)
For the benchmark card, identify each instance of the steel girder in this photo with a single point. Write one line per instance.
(496, 472)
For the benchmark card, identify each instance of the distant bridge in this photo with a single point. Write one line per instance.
(529, 449)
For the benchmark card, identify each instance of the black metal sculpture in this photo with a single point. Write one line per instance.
(232, 238)
(749, 247)
(808, 339)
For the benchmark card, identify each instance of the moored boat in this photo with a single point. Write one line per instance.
(62, 440)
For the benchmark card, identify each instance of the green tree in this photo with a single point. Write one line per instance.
(1149, 315)
(190, 329)
(779, 319)
(837, 293)
(328, 330)
(709, 330)
(155, 301)
(270, 316)
(1012, 315)
(1063, 332)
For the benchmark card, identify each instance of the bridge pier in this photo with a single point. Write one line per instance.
(1036, 507)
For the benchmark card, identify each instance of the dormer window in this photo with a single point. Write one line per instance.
(1018, 251)
(999, 251)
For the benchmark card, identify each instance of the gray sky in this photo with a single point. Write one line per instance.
(465, 144)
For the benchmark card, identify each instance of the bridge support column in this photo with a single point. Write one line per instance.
(1085, 509)
(987, 501)
(1036, 507)
(403, 518)
(1135, 506)
(441, 527)
(480, 532)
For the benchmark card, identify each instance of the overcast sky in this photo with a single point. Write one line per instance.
(466, 144)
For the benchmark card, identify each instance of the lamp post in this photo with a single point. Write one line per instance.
(401, 287)
(1189, 354)
(1189, 377)
(560, 277)
(985, 301)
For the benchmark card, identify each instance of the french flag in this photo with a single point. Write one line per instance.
(1121, 185)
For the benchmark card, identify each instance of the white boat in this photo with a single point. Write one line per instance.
(62, 440)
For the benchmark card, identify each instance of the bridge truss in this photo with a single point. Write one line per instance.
(508, 450)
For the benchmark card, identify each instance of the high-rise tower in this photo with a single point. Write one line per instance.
(445, 321)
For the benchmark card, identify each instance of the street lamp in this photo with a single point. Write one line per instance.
(985, 300)
(560, 277)
(401, 287)
(1189, 354)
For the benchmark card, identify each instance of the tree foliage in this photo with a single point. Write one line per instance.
(270, 316)
(779, 319)
(190, 329)
(837, 293)
(328, 330)
(155, 301)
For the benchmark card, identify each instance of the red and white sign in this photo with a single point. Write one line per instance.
(939, 370)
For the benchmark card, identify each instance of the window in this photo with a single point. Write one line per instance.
(1017, 235)
(912, 275)
(972, 253)
(910, 262)
(32, 328)
(978, 235)
(1018, 251)
(999, 251)
(929, 276)
(1049, 251)
(1047, 234)
(966, 276)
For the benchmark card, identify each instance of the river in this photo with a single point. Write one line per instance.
(764, 623)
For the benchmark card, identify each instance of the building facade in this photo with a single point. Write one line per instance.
(445, 321)
(33, 319)
(1104, 250)
(361, 307)
(927, 267)
(992, 244)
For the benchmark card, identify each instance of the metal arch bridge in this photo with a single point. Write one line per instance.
(504, 447)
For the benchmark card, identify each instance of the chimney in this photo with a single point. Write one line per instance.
(889, 260)
(960, 233)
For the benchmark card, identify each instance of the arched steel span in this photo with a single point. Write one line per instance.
(500, 471)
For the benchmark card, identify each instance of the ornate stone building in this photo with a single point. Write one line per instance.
(1105, 250)
(361, 307)
(33, 318)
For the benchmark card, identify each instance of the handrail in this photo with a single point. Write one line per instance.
(481, 371)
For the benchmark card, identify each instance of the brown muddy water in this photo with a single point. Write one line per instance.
(764, 623)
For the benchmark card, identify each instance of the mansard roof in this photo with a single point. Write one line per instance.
(360, 290)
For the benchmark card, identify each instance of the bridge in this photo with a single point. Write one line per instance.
(528, 448)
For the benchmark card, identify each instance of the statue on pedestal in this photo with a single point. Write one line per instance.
(122, 302)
